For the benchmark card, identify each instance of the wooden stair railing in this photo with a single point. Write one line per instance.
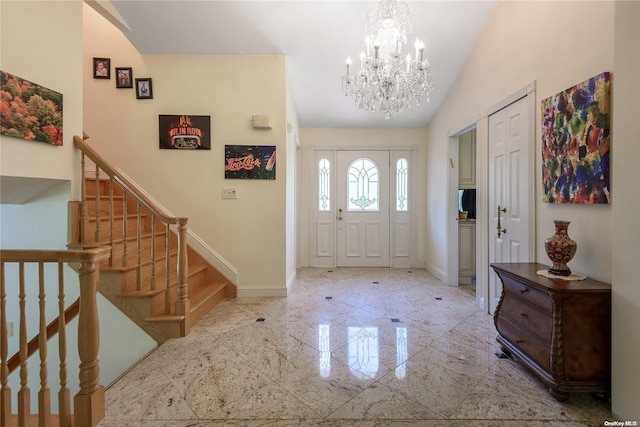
(89, 402)
(126, 190)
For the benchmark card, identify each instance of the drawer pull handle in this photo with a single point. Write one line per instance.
(519, 341)
(524, 291)
(523, 314)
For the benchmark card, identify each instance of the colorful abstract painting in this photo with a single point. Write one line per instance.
(29, 111)
(250, 162)
(576, 143)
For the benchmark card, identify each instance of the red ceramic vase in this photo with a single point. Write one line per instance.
(560, 249)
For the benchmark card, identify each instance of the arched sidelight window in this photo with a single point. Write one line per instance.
(363, 189)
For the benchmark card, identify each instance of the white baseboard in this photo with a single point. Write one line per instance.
(262, 292)
(212, 257)
(291, 280)
(438, 274)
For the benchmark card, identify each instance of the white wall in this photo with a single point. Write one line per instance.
(357, 139)
(293, 138)
(249, 233)
(520, 44)
(545, 42)
(626, 231)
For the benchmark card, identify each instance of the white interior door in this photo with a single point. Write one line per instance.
(511, 189)
(362, 208)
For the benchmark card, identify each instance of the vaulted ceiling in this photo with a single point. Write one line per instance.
(316, 37)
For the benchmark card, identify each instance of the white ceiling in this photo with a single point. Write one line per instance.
(316, 37)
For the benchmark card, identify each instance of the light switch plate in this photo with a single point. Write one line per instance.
(229, 193)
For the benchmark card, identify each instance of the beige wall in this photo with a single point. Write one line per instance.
(51, 55)
(626, 232)
(544, 42)
(248, 233)
(44, 48)
(520, 44)
(357, 139)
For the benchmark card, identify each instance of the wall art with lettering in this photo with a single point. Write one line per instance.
(184, 132)
(250, 162)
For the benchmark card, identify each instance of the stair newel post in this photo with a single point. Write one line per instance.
(139, 249)
(167, 275)
(89, 402)
(5, 391)
(98, 192)
(111, 214)
(83, 206)
(182, 302)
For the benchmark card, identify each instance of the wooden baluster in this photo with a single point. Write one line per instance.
(44, 395)
(83, 207)
(124, 229)
(182, 302)
(24, 397)
(111, 221)
(167, 269)
(153, 254)
(97, 234)
(5, 391)
(139, 252)
(64, 396)
(89, 402)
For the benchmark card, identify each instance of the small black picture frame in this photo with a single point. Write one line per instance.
(101, 68)
(144, 89)
(124, 77)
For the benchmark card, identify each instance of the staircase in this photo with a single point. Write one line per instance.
(144, 276)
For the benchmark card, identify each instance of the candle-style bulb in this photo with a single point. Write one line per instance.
(348, 65)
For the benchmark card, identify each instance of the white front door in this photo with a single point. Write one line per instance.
(362, 203)
(511, 189)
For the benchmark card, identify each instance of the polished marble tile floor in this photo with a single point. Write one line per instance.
(348, 347)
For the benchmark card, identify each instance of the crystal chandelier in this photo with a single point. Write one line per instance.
(387, 82)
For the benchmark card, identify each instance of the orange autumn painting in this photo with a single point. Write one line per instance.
(30, 111)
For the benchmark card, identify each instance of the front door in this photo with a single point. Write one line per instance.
(511, 216)
(362, 204)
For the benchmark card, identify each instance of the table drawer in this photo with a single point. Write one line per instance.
(528, 293)
(525, 342)
(528, 317)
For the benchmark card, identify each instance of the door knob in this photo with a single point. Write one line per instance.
(339, 215)
(500, 229)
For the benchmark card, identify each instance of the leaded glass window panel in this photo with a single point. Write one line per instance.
(363, 186)
(402, 185)
(324, 178)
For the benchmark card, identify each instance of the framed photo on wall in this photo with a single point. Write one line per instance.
(124, 77)
(144, 89)
(101, 68)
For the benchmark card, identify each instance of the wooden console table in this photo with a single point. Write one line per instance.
(559, 329)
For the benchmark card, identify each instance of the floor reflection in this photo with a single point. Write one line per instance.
(389, 348)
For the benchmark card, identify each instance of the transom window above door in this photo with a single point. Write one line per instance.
(363, 186)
